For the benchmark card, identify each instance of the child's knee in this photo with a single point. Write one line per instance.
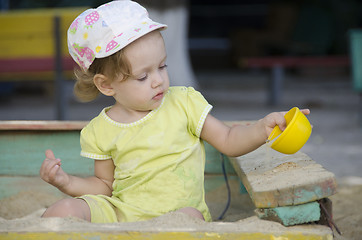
(193, 212)
(70, 207)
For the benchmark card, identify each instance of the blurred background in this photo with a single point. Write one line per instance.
(248, 58)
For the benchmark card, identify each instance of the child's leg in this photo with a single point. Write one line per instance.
(73, 207)
(193, 212)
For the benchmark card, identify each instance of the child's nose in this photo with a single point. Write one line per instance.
(157, 80)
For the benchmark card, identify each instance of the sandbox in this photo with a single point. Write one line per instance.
(24, 196)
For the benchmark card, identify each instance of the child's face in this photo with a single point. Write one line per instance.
(149, 84)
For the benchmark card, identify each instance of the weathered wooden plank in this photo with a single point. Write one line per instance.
(42, 125)
(273, 179)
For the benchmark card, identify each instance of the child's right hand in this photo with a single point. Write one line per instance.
(51, 171)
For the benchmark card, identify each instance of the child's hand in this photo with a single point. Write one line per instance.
(277, 118)
(51, 172)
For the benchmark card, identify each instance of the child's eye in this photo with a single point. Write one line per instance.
(142, 78)
(163, 66)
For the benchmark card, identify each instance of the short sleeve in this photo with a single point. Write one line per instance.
(89, 144)
(197, 110)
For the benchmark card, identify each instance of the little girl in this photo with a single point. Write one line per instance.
(148, 147)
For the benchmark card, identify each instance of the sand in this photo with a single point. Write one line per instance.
(347, 208)
(22, 212)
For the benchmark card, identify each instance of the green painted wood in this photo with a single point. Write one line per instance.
(22, 152)
(291, 215)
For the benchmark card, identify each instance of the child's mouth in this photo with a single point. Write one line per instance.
(158, 96)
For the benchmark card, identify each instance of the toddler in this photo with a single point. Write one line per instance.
(148, 147)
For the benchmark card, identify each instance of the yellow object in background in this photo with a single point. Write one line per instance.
(28, 43)
(30, 33)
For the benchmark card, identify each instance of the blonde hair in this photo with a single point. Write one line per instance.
(112, 67)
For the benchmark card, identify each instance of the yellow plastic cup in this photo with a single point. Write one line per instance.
(295, 135)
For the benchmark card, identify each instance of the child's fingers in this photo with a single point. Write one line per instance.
(44, 166)
(53, 172)
(50, 163)
(280, 120)
(305, 111)
(49, 154)
(47, 168)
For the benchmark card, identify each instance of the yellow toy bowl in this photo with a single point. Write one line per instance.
(295, 135)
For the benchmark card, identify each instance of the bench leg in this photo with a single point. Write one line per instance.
(60, 91)
(275, 85)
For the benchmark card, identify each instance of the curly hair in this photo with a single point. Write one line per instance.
(112, 67)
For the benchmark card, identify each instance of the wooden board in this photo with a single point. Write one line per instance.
(42, 125)
(273, 179)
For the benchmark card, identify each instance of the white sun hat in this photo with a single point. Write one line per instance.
(100, 32)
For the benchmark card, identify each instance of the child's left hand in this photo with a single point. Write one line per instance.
(277, 118)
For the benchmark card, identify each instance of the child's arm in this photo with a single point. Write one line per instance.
(100, 183)
(238, 140)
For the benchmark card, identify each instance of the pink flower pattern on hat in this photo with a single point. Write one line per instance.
(74, 26)
(91, 18)
(84, 52)
(111, 45)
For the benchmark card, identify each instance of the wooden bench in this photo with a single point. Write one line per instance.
(33, 46)
(278, 64)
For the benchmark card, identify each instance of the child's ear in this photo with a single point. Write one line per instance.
(103, 84)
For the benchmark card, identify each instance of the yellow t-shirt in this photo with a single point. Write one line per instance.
(159, 160)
